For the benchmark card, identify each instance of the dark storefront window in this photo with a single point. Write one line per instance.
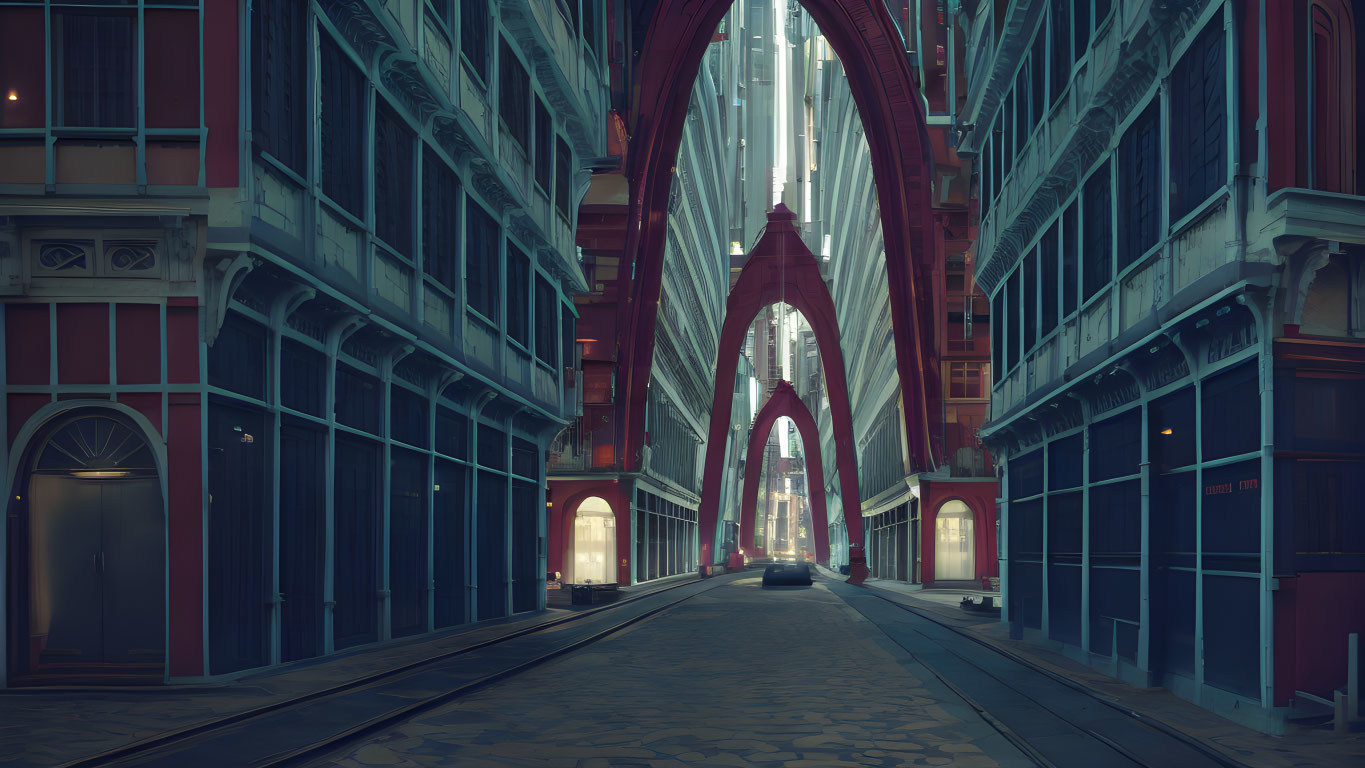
(303, 378)
(237, 357)
(1231, 413)
(491, 511)
(358, 399)
(359, 533)
(303, 539)
(407, 416)
(239, 539)
(407, 542)
(449, 526)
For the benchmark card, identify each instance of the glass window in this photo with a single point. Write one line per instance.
(341, 152)
(544, 160)
(474, 23)
(392, 179)
(1231, 412)
(1199, 121)
(492, 447)
(407, 416)
(1140, 191)
(278, 44)
(237, 358)
(357, 399)
(303, 378)
(452, 433)
(1047, 252)
(1030, 324)
(547, 316)
(1170, 439)
(1064, 462)
(563, 180)
(514, 97)
(440, 219)
(518, 290)
(1099, 247)
(481, 260)
(1071, 285)
(94, 68)
(1059, 28)
(1116, 446)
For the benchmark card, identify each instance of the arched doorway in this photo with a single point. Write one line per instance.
(87, 533)
(594, 543)
(954, 543)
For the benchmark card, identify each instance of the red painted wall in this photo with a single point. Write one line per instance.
(1313, 615)
(83, 343)
(566, 495)
(220, 86)
(980, 498)
(83, 354)
(28, 339)
(185, 534)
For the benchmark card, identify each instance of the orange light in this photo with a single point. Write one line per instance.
(13, 96)
(1166, 431)
(586, 341)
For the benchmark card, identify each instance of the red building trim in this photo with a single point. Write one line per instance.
(559, 525)
(980, 499)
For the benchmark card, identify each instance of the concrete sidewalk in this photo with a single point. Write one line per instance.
(1297, 748)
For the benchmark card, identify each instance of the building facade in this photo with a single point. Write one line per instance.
(287, 321)
(931, 527)
(1170, 236)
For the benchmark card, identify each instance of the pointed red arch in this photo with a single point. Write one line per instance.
(870, 47)
(782, 269)
(785, 402)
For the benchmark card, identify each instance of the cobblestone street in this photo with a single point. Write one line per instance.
(739, 676)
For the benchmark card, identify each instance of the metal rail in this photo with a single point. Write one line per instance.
(322, 747)
(1185, 739)
(131, 753)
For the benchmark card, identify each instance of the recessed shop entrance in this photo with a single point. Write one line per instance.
(594, 543)
(87, 575)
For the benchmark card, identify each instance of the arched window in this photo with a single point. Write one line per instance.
(594, 543)
(954, 542)
(1332, 64)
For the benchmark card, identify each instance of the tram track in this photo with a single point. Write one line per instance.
(1204, 755)
(280, 728)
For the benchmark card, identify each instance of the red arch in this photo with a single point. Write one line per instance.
(781, 268)
(869, 45)
(785, 402)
